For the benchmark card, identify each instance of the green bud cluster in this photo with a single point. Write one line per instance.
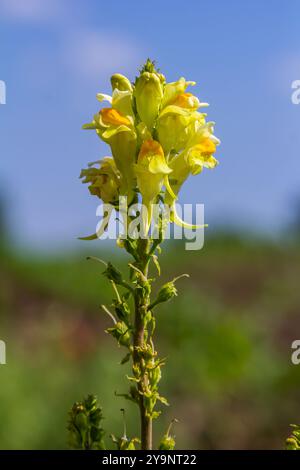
(293, 441)
(147, 374)
(84, 425)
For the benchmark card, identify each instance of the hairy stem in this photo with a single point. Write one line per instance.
(141, 307)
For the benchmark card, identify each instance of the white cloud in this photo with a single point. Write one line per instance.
(30, 10)
(85, 52)
(93, 53)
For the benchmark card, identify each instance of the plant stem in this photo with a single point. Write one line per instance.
(146, 422)
(141, 307)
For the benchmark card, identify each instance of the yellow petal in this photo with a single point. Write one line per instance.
(158, 165)
(103, 97)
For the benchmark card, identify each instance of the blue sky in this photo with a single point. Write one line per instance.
(57, 54)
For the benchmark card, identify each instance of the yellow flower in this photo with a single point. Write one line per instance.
(121, 100)
(155, 129)
(178, 118)
(176, 125)
(118, 131)
(173, 89)
(201, 156)
(104, 181)
(115, 126)
(197, 155)
(151, 171)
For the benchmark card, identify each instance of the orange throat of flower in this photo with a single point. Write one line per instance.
(111, 116)
(149, 148)
(184, 100)
(206, 147)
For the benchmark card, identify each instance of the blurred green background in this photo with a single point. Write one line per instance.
(227, 338)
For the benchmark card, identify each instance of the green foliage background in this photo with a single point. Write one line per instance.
(227, 338)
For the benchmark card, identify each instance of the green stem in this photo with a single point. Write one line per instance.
(141, 306)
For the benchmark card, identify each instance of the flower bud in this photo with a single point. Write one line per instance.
(120, 82)
(84, 425)
(154, 376)
(148, 94)
(81, 421)
(167, 292)
(293, 441)
(90, 403)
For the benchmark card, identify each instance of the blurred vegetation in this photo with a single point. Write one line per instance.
(227, 338)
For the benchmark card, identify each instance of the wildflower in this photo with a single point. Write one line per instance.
(178, 118)
(173, 89)
(85, 425)
(197, 155)
(158, 138)
(115, 126)
(175, 126)
(151, 171)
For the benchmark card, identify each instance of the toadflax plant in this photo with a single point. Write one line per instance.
(158, 138)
